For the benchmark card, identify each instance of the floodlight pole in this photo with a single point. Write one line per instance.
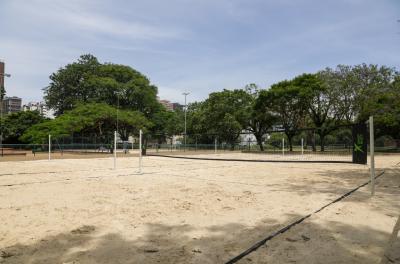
(185, 94)
(215, 145)
(49, 147)
(302, 146)
(115, 150)
(117, 108)
(372, 154)
(283, 146)
(140, 151)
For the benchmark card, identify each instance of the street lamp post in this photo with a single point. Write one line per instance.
(2, 75)
(185, 94)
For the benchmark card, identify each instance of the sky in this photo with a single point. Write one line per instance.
(197, 46)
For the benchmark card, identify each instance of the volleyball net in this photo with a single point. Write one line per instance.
(347, 143)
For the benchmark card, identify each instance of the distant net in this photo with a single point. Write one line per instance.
(81, 145)
(70, 147)
(308, 145)
(92, 145)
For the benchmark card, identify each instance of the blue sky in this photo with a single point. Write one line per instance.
(196, 46)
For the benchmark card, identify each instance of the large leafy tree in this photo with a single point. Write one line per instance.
(261, 118)
(371, 82)
(289, 103)
(166, 124)
(356, 87)
(340, 83)
(87, 80)
(197, 127)
(67, 86)
(16, 124)
(122, 86)
(364, 90)
(224, 115)
(321, 102)
(93, 119)
(385, 107)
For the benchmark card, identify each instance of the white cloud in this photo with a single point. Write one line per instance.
(83, 16)
(195, 46)
(172, 94)
(106, 25)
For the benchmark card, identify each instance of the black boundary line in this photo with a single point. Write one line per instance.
(252, 160)
(286, 228)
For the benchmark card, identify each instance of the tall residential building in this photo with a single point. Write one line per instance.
(168, 105)
(176, 106)
(12, 104)
(36, 106)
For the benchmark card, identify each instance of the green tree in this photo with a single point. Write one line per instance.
(371, 84)
(341, 83)
(321, 102)
(2, 93)
(87, 80)
(364, 90)
(197, 127)
(67, 86)
(165, 125)
(385, 107)
(96, 119)
(356, 87)
(261, 118)
(289, 103)
(225, 114)
(16, 124)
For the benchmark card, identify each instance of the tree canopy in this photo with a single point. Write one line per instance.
(96, 98)
(14, 125)
(288, 101)
(94, 119)
(89, 81)
(223, 115)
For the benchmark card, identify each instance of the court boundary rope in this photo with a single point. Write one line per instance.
(298, 221)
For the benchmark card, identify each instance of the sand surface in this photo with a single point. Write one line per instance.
(195, 211)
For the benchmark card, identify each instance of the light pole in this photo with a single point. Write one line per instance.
(185, 94)
(2, 93)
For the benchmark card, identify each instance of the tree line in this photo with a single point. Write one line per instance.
(324, 100)
(94, 99)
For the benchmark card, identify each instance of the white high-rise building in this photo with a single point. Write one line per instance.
(38, 106)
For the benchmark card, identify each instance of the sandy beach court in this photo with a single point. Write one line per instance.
(195, 211)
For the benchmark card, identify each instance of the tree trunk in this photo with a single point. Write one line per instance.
(259, 142)
(290, 143)
(314, 147)
(322, 140)
(232, 146)
(123, 134)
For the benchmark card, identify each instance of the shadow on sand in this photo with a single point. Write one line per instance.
(306, 243)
